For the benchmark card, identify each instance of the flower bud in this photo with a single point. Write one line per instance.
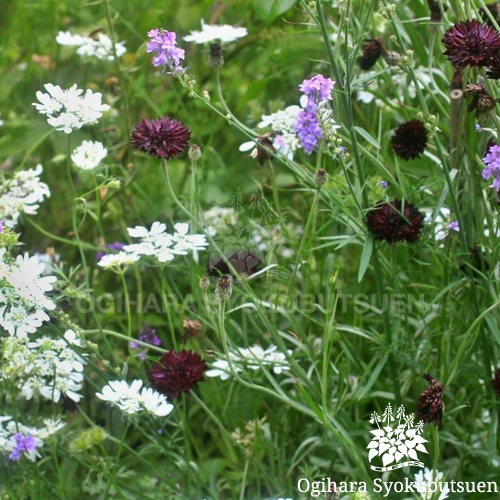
(194, 152)
(216, 59)
(320, 177)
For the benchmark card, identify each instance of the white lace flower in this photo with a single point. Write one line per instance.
(100, 47)
(132, 400)
(23, 299)
(70, 40)
(156, 242)
(423, 480)
(19, 322)
(254, 357)
(9, 428)
(217, 218)
(89, 155)
(45, 367)
(213, 33)
(117, 260)
(141, 232)
(184, 241)
(68, 110)
(29, 284)
(22, 194)
(282, 123)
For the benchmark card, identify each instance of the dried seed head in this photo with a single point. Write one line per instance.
(482, 102)
(224, 288)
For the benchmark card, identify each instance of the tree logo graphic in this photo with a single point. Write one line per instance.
(393, 443)
(250, 239)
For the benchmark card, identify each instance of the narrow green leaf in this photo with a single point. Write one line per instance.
(269, 10)
(365, 256)
(367, 137)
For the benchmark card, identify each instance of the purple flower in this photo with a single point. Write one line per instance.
(309, 131)
(1, 226)
(492, 169)
(24, 443)
(177, 372)
(395, 221)
(471, 43)
(117, 245)
(168, 54)
(453, 226)
(163, 137)
(148, 335)
(318, 88)
(384, 184)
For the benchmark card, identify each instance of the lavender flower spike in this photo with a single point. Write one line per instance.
(168, 54)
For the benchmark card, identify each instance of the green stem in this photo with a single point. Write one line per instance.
(305, 236)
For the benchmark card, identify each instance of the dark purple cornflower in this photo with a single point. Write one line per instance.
(163, 137)
(318, 88)
(492, 169)
(148, 335)
(24, 444)
(372, 49)
(395, 221)
(471, 43)
(409, 139)
(430, 404)
(177, 372)
(495, 383)
(168, 54)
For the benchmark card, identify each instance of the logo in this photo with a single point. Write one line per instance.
(247, 239)
(397, 440)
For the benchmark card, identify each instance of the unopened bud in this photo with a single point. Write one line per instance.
(194, 152)
(320, 177)
(204, 283)
(391, 58)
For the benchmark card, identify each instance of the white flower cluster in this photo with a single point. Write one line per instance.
(89, 155)
(68, 110)
(100, 47)
(22, 194)
(254, 357)
(132, 400)
(217, 218)
(23, 303)
(216, 33)
(10, 428)
(157, 243)
(425, 484)
(283, 124)
(47, 367)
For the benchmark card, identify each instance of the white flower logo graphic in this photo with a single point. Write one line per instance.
(393, 444)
